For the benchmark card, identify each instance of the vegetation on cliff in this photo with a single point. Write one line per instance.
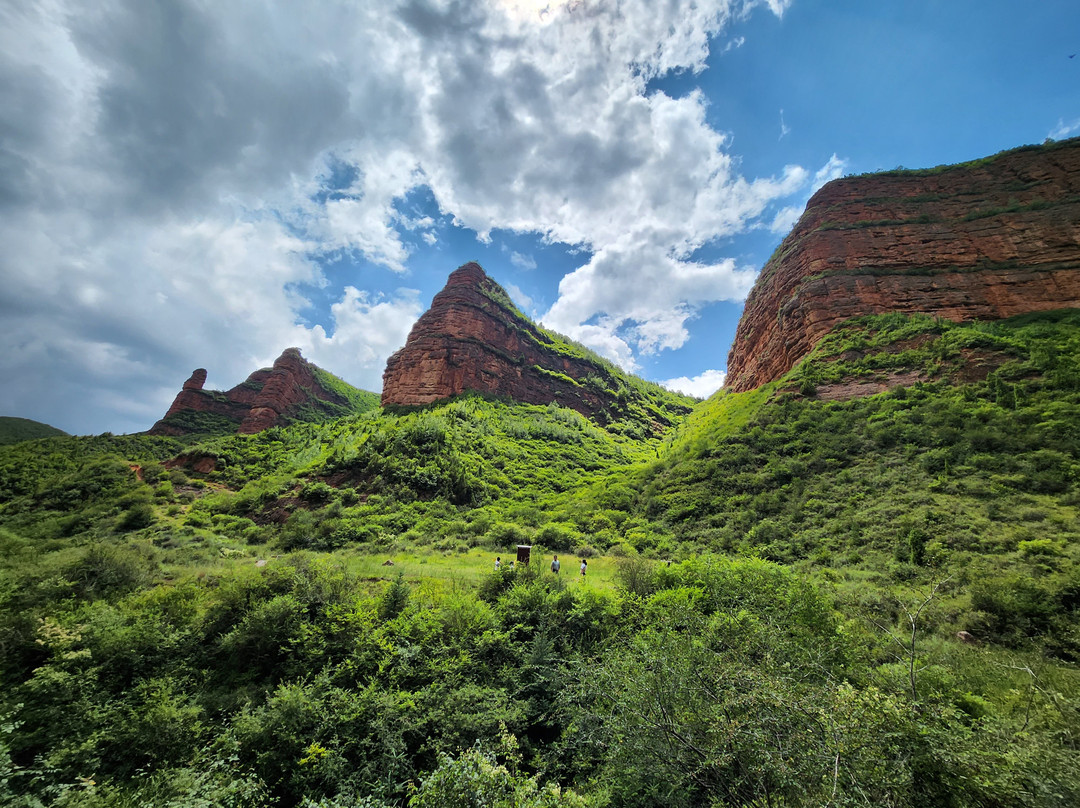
(770, 615)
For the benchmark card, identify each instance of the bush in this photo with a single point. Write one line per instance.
(556, 536)
(394, 599)
(636, 575)
(104, 571)
(137, 517)
(1013, 606)
(475, 780)
(504, 534)
(1040, 548)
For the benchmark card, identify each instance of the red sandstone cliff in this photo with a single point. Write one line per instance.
(293, 389)
(983, 240)
(474, 339)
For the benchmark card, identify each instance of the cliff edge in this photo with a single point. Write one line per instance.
(983, 240)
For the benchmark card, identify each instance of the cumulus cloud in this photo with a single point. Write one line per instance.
(367, 329)
(173, 174)
(833, 169)
(787, 216)
(1064, 130)
(702, 386)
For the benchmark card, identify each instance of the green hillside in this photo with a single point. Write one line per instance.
(772, 612)
(13, 430)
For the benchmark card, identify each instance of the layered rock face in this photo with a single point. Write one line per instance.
(473, 339)
(268, 397)
(978, 241)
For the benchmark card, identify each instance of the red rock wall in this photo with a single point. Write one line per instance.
(289, 384)
(468, 340)
(981, 241)
(198, 400)
(267, 398)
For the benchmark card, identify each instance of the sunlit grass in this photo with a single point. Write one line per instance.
(471, 567)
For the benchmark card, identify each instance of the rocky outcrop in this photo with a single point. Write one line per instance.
(293, 389)
(978, 241)
(474, 339)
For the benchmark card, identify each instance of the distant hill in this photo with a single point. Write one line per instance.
(13, 430)
(293, 390)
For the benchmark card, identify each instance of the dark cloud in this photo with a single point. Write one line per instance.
(184, 113)
(451, 22)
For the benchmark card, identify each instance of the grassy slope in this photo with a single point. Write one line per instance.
(978, 481)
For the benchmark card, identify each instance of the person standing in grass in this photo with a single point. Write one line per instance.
(555, 564)
(584, 566)
(498, 562)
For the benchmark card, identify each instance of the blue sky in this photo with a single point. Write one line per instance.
(203, 185)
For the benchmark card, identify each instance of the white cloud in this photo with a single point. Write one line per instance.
(1064, 130)
(787, 216)
(785, 219)
(701, 386)
(833, 169)
(524, 302)
(644, 296)
(366, 331)
(173, 172)
(777, 7)
(522, 261)
(735, 43)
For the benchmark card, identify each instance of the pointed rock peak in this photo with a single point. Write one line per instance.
(197, 380)
(473, 338)
(292, 390)
(289, 357)
(470, 274)
(468, 281)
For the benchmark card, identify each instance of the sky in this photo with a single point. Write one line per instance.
(204, 183)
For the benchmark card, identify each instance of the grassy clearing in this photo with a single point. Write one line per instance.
(471, 567)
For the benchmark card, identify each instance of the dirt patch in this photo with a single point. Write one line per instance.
(199, 463)
(978, 364)
(860, 388)
(278, 512)
(344, 479)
